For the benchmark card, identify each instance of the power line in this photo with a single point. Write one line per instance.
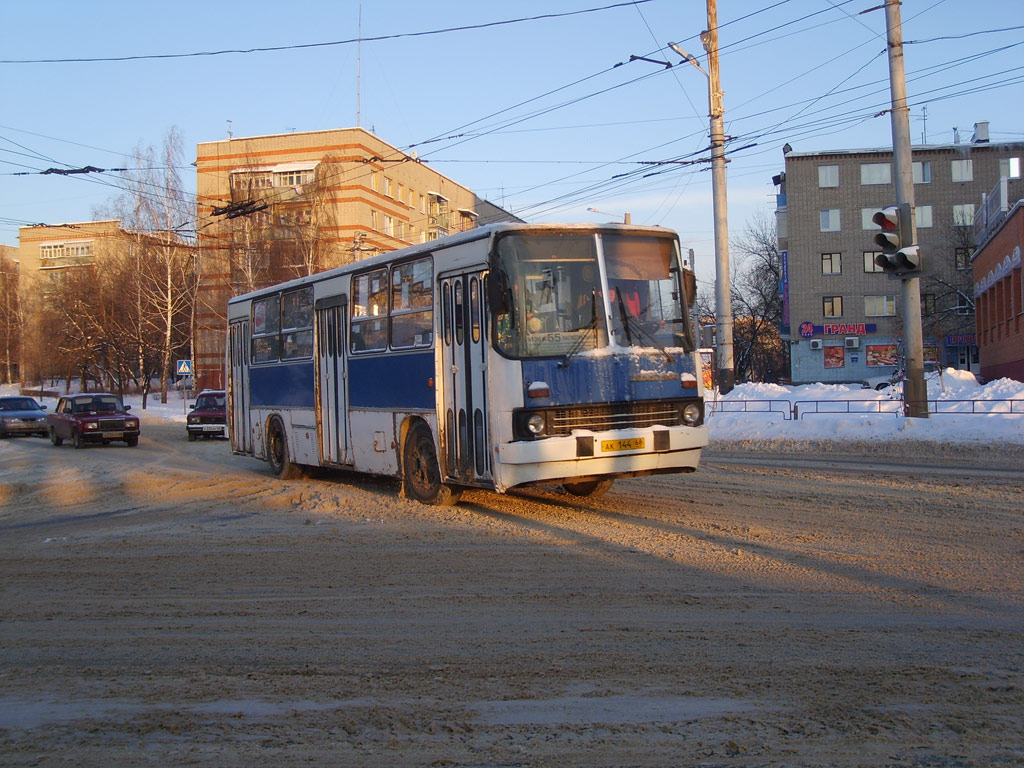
(301, 46)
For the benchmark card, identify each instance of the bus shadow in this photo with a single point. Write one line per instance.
(881, 583)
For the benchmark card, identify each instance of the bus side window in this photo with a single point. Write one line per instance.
(369, 311)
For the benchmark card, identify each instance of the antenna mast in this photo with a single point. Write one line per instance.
(359, 65)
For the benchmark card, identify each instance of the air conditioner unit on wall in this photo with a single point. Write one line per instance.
(852, 342)
(816, 344)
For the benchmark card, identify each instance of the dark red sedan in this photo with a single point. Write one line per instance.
(97, 417)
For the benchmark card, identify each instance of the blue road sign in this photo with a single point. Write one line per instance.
(184, 367)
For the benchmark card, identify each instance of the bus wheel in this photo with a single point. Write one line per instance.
(277, 452)
(421, 475)
(591, 488)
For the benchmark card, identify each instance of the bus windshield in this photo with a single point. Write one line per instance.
(573, 292)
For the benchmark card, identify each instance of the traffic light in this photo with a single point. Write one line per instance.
(900, 255)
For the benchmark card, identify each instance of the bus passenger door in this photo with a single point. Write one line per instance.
(331, 390)
(464, 430)
(238, 393)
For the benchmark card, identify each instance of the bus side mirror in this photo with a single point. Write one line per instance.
(497, 292)
(690, 287)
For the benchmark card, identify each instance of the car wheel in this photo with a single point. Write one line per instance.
(421, 476)
(3, 434)
(132, 441)
(277, 452)
(591, 488)
(58, 441)
(76, 439)
(191, 437)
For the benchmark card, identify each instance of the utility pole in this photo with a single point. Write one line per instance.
(723, 289)
(915, 393)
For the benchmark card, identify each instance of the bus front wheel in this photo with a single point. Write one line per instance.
(277, 452)
(591, 488)
(421, 474)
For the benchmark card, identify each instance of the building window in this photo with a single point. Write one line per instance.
(923, 216)
(1010, 167)
(55, 251)
(922, 172)
(962, 170)
(880, 306)
(963, 258)
(828, 175)
(963, 215)
(927, 303)
(870, 265)
(875, 173)
(831, 264)
(866, 215)
(830, 220)
(832, 306)
(292, 178)
(389, 225)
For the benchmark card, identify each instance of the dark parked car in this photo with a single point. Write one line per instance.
(209, 416)
(21, 416)
(92, 418)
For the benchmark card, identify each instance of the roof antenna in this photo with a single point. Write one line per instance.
(230, 135)
(359, 65)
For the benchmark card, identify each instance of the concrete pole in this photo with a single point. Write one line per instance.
(915, 393)
(723, 291)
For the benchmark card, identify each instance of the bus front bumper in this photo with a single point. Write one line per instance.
(615, 453)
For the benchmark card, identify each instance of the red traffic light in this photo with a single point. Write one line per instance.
(894, 222)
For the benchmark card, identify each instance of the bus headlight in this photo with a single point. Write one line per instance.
(691, 413)
(535, 424)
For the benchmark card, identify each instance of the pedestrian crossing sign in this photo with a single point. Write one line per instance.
(184, 367)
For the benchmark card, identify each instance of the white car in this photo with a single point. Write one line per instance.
(931, 371)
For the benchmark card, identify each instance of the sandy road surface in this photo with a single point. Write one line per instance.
(172, 604)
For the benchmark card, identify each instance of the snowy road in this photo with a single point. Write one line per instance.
(172, 604)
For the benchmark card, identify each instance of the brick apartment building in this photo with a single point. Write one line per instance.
(998, 288)
(273, 208)
(841, 312)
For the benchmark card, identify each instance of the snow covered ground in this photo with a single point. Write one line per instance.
(764, 412)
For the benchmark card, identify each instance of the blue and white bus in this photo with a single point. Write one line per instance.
(505, 356)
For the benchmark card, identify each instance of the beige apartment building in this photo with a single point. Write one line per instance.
(841, 311)
(273, 208)
(45, 250)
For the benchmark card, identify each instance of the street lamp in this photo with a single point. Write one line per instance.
(723, 290)
(626, 218)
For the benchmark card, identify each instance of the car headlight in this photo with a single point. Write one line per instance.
(193, 419)
(92, 425)
(132, 423)
(691, 413)
(535, 424)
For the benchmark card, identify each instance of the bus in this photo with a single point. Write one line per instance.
(505, 356)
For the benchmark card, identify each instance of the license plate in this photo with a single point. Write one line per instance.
(633, 444)
(213, 428)
(113, 434)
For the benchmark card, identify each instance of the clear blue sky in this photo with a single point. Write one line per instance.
(547, 125)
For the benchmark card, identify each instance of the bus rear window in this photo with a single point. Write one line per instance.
(282, 327)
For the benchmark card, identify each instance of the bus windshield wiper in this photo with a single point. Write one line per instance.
(630, 323)
(590, 326)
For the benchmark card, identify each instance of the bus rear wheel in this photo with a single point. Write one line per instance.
(590, 488)
(277, 452)
(421, 474)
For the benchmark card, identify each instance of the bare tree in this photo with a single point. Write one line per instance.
(10, 316)
(948, 288)
(757, 305)
(154, 210)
